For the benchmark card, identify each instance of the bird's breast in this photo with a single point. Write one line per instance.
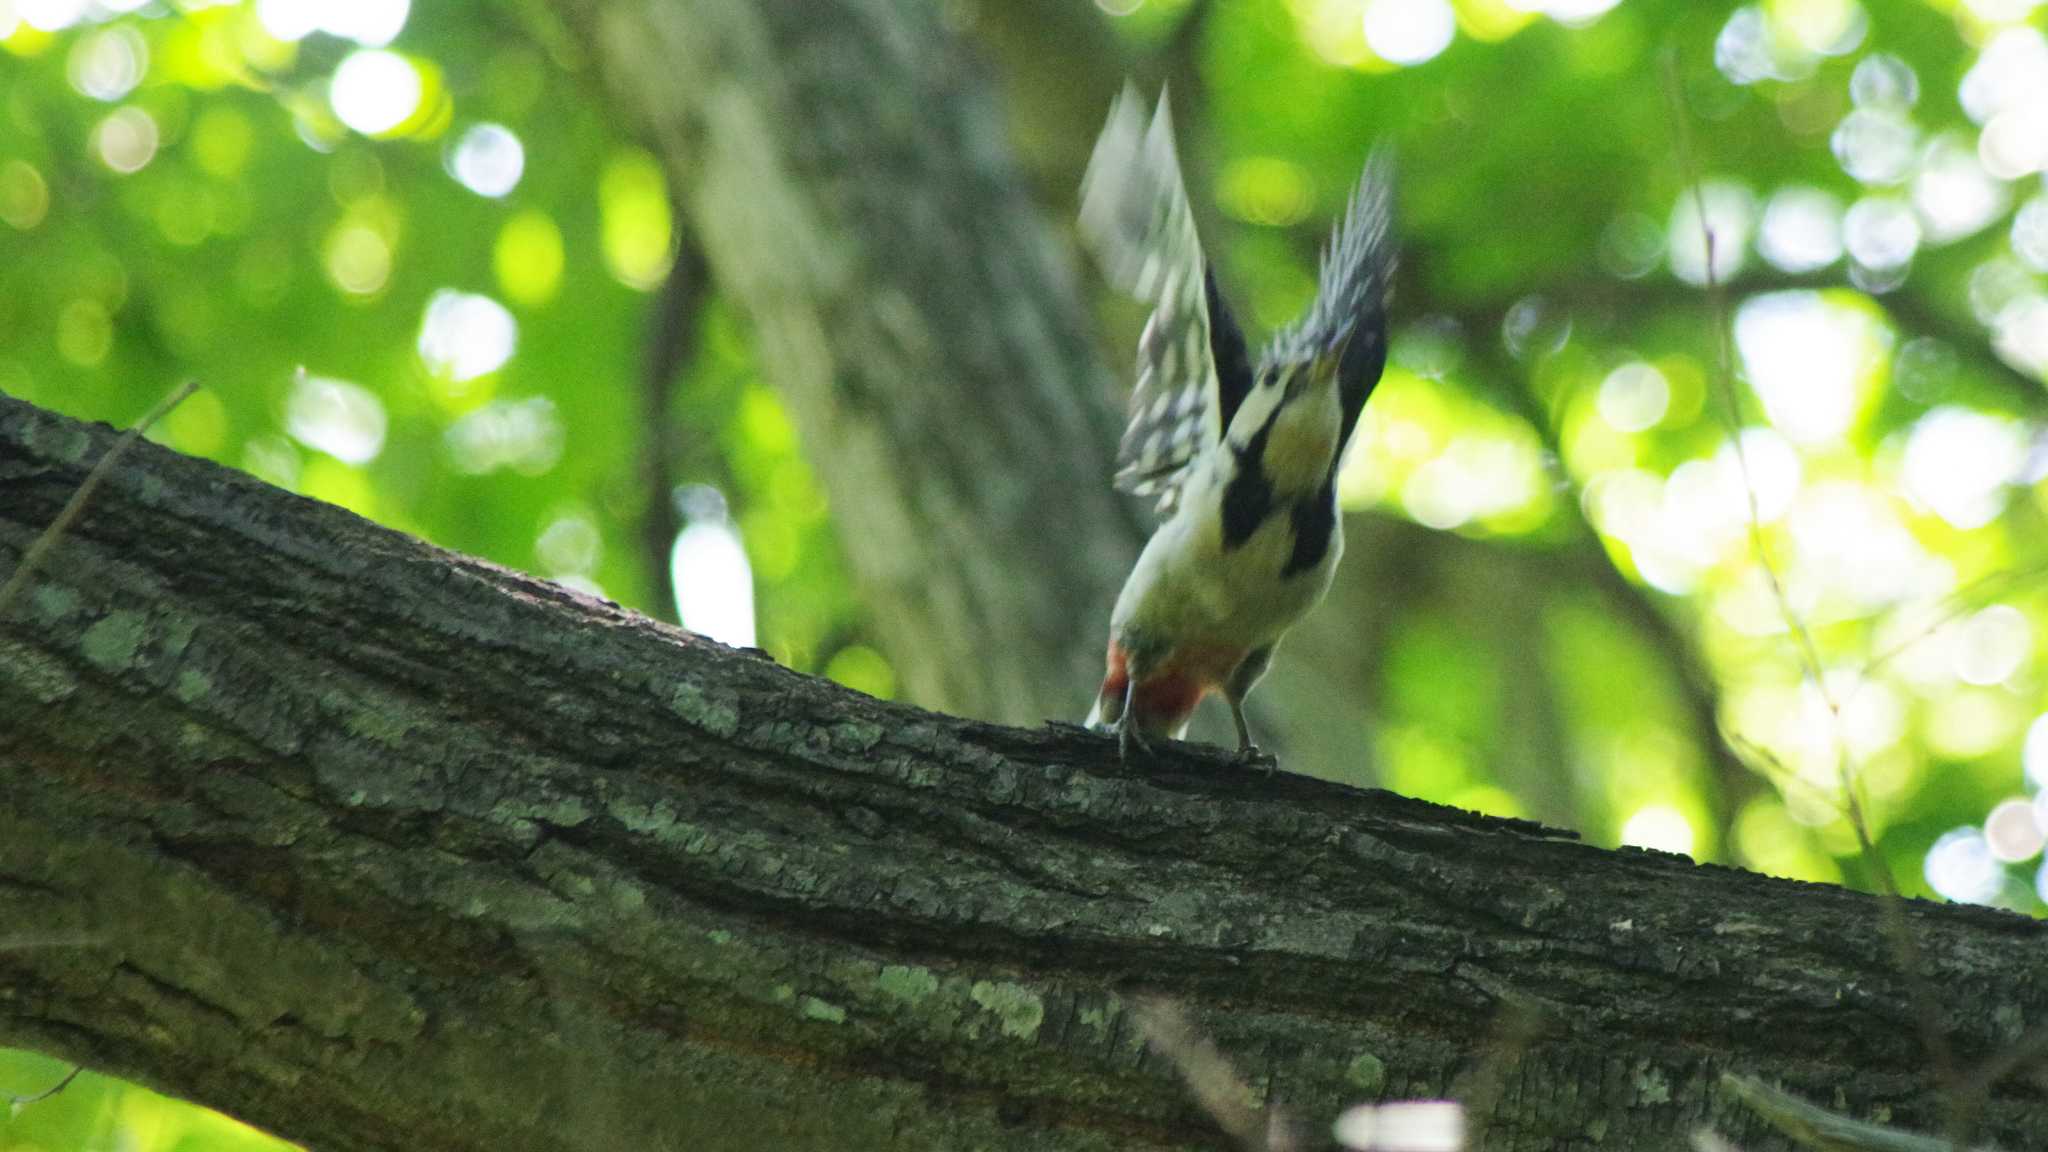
(1189, 584)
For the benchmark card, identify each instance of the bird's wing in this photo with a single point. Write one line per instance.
(1134, 213)
(1353, 291)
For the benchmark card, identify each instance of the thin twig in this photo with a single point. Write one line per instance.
(1953, 607)
(1731, 414)
(675, 331)
(1816, 1127)
(1514, 1030)
(2029, 1049)
(1212, 1079)
(33, 558)
(1906, 951)
(1766, 762)
(16, 1103)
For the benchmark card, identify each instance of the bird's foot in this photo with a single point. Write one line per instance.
(1251, 755)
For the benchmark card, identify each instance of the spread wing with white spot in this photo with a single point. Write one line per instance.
(1134, 213)
(1357, 276)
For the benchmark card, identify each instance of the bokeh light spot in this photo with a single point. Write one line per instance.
(199, 426)
(344, 420)
(488, 160)
(338, 483)
(2010, 832)
(1961, 867)
(1574, 12)
(522, 435)
(1746, 51)
(714, 585)
(1265, 190)
(1959, 462)
(373, 91)
(358, 259)
(222, 141)
(1632, 245)
(1809, 361)
(1953, 193)
(863, 669)
(50, 15)
(1884, 80)
(570, 545)
(1802, 230)
(1823, 27)
(24, 195)
(273, 460)
(371, 23)
(2029, 230)
(463, 335)
(2034, 754)
(528, 258)
(289, 20)
(1402, 1126)
(126, 140)
(1876, 145)
(1730, 213)
(85, 332)
(1535, 327)
(1769, 469)
(1634, 397)
(2020, 334)
(1993, 645)
(1659, 826)
(2011, 72)
(633, 206)
(1881, 233)
(2015, 142)
(1409, 31)
(107, 65)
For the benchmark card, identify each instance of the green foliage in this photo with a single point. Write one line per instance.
(96, 1111)
(262, 242)
(1557, 381)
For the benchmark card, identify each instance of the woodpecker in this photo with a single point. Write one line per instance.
(1241, 456)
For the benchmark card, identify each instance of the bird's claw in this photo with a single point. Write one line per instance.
(1252, 754)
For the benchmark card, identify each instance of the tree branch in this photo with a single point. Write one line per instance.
(378, 846)
(672, 339)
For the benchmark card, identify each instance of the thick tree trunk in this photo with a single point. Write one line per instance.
(378, 846)
(844, 163)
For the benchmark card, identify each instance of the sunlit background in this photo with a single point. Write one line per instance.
(414, 261)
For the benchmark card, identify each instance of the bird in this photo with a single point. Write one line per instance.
(1239, 454)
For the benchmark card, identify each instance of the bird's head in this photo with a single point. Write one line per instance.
(1317, 370)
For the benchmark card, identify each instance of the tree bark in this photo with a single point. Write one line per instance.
(378, 846)
(845, 165)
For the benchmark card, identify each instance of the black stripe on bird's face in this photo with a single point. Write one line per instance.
(1295, 378)
(1248, 497)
